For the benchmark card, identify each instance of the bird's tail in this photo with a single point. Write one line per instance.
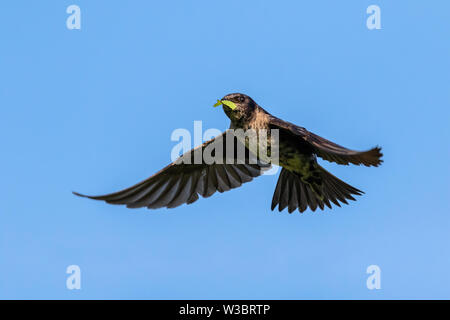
(293, 192)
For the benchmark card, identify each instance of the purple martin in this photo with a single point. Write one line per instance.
(302, 182)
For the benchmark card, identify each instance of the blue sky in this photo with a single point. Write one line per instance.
(92, 110)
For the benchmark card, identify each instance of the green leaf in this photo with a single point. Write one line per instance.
(229, 104)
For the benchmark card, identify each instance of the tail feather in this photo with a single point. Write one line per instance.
(292, 192)
(293, 198)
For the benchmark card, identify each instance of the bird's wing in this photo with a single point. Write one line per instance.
(183, 180)
(326, 149)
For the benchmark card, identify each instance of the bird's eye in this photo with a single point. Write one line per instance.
(241, 99)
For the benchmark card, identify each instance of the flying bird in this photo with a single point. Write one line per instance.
(302, 182)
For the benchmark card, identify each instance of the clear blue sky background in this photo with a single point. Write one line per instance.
(92, 110)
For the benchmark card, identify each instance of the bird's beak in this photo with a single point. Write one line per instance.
(227, 103)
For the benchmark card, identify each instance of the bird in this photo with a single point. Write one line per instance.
(302, 182)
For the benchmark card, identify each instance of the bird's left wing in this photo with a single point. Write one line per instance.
(324, 148)
(185, 179)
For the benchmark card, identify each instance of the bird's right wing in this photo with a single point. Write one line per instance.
(326, 149)
(185, 179)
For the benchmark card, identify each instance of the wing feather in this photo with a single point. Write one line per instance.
(326, 149)
(183, 181)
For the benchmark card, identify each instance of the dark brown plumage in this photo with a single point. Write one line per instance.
(302, 182)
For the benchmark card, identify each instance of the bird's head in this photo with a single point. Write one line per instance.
(237, 106)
